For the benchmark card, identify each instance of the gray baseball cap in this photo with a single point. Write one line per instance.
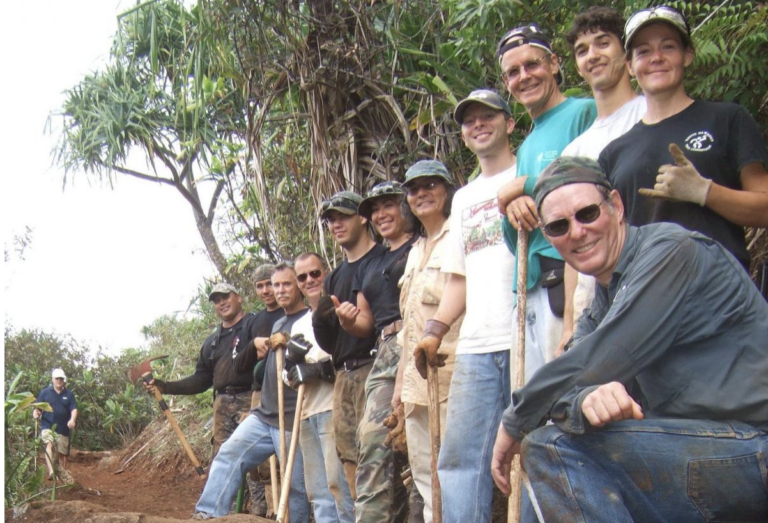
(487, 97)
(424, 168)
(653, 15)
(345, 202)
(222, 288)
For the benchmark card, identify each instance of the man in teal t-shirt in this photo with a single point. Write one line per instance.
(531, 72)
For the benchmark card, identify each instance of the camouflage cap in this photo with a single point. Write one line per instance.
(487, 97)
(565, 171)
(222, 288)
(345, 202)
(394, 189)
(424, 168)
(263, 272)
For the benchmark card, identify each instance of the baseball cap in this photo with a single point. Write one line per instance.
(345, 202)
(58, 373)
(652, 15)
(528, 34)
(222, 288)
(565, 171)
(263, 272)
(487, 97)
(377, 191)
(424, 168)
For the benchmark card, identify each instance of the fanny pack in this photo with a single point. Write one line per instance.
(552, 279)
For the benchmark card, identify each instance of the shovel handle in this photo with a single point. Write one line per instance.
(282, 508)
(175, 425)
(433, 410)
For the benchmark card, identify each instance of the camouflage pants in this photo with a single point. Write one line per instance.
(381, 495)
(348, 410)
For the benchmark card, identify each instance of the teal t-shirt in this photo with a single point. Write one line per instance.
(552, 132)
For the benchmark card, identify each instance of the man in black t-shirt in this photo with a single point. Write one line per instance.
(351, 355)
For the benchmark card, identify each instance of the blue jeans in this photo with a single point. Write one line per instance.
(654, 470)
(251, 444)
(479, 394)
(324, 473)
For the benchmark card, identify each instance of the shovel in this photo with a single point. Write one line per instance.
(144, 371)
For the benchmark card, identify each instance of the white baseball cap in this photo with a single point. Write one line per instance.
(58, 373)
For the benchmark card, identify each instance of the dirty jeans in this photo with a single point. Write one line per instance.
(478, 395)
(652, 471)
(323, 471)
(252, 443)
(381, 495)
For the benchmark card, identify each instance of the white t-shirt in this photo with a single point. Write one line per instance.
(591, 144)
(318, 394)
(476, 250)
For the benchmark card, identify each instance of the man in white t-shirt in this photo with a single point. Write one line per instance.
(595, 39)
(481, 270)
(327, 487)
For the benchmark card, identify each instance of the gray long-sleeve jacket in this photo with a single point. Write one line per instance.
(681, 325)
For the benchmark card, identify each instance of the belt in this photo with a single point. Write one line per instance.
(392, 328)
(356, 363)
(232, 391)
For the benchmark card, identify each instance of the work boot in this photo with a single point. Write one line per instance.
(200, 516)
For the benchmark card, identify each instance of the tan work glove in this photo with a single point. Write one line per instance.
(425, 352)
(278, 341)
(395, 422)
(679, 182)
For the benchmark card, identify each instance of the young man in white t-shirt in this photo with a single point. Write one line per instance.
(481, 270)
(595, 40)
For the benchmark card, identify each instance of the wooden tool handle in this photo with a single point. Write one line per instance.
(433, 388)
(281, 411)
(282, 508)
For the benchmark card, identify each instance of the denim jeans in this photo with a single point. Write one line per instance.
(251, 444)
(654, 470)
(323, 471)
(479, 394)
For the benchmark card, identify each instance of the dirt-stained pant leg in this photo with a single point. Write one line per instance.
(381, 495)
(348, 411)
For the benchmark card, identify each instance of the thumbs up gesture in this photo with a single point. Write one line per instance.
(346, 312)
(679, 182)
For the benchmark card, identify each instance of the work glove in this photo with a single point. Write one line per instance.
(326, 309)
(307, 372)
(278, 340)
(325, 324)
(679, 182)
(297, 349)
(425, 352)
(156, 383)
(395, 422)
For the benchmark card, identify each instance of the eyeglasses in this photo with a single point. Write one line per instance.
(414, 188)
(314, 274)
(663, 12)
(530, 66)
(585, 215)
(338, 201)
(62, 379)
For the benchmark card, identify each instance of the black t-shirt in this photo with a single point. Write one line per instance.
(378, 278)
(215, 363)
(718, 138)
(268, 410)
(265, 320)
(340, 283)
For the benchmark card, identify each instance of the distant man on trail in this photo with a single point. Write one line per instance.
(699, 164)
(351, 355)
(660, 408)
(64, 417)
(480, 270)
(258, 436)
(595, 38)
(532, 74)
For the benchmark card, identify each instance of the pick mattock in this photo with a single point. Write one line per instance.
(433, 409)
(275, 483)
(282, 507)
(144, 371)
(517, 473)
(278, 346)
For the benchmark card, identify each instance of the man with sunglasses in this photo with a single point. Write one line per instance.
(696, 163)
(480, 271)
(532, 74)
(595, 39)
(660, 408)
(351, 355)
(326, 483)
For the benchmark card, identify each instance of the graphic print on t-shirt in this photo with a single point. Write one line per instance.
(481, 226)
(699, 142)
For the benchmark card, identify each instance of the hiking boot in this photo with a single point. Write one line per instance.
(200, 516)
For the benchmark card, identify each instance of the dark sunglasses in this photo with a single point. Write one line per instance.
(585, 215)
(315, 274)
(413, 189)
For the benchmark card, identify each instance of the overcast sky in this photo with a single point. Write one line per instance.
(102, 262)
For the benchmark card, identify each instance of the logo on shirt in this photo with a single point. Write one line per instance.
(699, 142)
(234, 346)
(481, 226)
